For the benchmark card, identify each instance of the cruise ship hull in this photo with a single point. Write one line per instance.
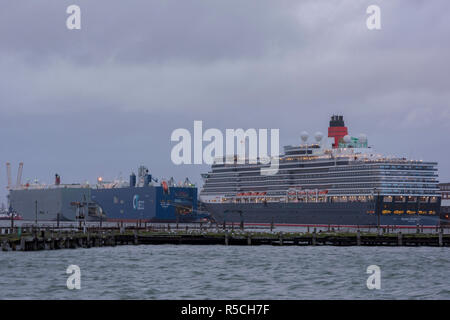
(343, 214)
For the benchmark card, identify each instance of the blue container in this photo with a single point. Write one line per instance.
(132, 180)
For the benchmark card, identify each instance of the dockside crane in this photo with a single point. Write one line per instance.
(19, 175)
(8, 174)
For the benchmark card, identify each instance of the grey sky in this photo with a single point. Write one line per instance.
(105, 99)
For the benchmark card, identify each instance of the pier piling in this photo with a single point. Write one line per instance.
(44, 237)
(136, 238)
(4, 245)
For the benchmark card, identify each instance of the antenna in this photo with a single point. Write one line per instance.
(318, 136)
(347, 139)
(304, 136)
(362, 138)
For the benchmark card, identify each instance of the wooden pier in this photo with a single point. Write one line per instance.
(40, 238)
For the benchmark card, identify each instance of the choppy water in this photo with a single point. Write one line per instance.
(220, 272)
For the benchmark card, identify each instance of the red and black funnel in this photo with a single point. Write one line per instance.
(337, 129)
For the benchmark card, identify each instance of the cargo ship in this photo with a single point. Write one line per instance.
(142, 198)
(337, 180)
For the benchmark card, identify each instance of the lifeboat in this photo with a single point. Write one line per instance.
(165, 187)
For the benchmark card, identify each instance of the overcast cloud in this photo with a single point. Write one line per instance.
(104, 99)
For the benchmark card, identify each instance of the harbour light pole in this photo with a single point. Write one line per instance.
(377, 208)
(35, 211)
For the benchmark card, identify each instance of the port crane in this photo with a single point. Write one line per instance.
(8, 174)
(19, 175)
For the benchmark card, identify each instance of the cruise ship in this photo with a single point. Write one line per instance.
(336, 180)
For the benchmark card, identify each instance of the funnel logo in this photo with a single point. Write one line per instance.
(164, 204)
(137, 205)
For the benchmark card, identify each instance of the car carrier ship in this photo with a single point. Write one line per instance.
(142, 198)
(334, 181)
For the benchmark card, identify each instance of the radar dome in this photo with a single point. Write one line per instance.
(347, 139)
(304, 135)
(362, 138)
(318, 136)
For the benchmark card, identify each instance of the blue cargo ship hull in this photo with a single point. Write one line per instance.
(149, 203)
